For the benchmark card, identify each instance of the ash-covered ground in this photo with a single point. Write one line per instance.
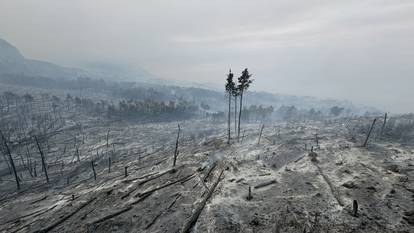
(292, 189)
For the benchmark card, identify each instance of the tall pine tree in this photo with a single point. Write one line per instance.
(230, 86)
(244, 84)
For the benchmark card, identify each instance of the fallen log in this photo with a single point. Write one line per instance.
(50, 227)
(151, 153)
(333, 190)
(177, 196)
(148, 180)
(300, 158)
(159, 175)
(138, 178)
(161, 161)
(202, 182)
(265, 184)
(209, 172)
(153, 220)
(166, 185)
(34, 216)
(38, 200)
(116, 213)
(162, 212)
(266, 174)
(193, 219)
(141, 199)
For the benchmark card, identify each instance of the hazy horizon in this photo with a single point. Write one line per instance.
(353, 50)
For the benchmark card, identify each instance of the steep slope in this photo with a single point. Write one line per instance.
(13, 62)
(10, 58)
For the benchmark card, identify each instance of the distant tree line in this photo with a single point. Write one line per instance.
(135, 110)
(119, 90)
(294, 114)
(149, 110)
(43, 110)
(257, 113)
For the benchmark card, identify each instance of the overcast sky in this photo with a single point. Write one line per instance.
(358, 50)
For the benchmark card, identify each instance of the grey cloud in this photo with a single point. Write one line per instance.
(357, 50)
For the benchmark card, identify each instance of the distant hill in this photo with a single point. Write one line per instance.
(16, 69)
(13, 62)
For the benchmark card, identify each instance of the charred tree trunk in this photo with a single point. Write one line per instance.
(34, 168)
(240, 112)
(107, 140)
(11, 160)
(77, 153)
(260, 135)
(249, 196)
(369, 133)
(228, 121)
(355, 208)
(43, 159)
(235, 113)
(176, 146)
(109, 165)
(93, 170)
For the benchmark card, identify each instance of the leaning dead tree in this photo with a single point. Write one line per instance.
(11, 160)
(93, 170)
(176, 146)
(260, 134)
(369, 133)
(43, 159)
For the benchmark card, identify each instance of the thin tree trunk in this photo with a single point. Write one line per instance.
(34, 168)
(260, 135)
(235, 114)
(93, 170)
(176, 146)
(228, 122)
(240, 112)
(109, 165)
(369, 133)
(77, 153)
(107, 141)
(11, 160)
(43, 159)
